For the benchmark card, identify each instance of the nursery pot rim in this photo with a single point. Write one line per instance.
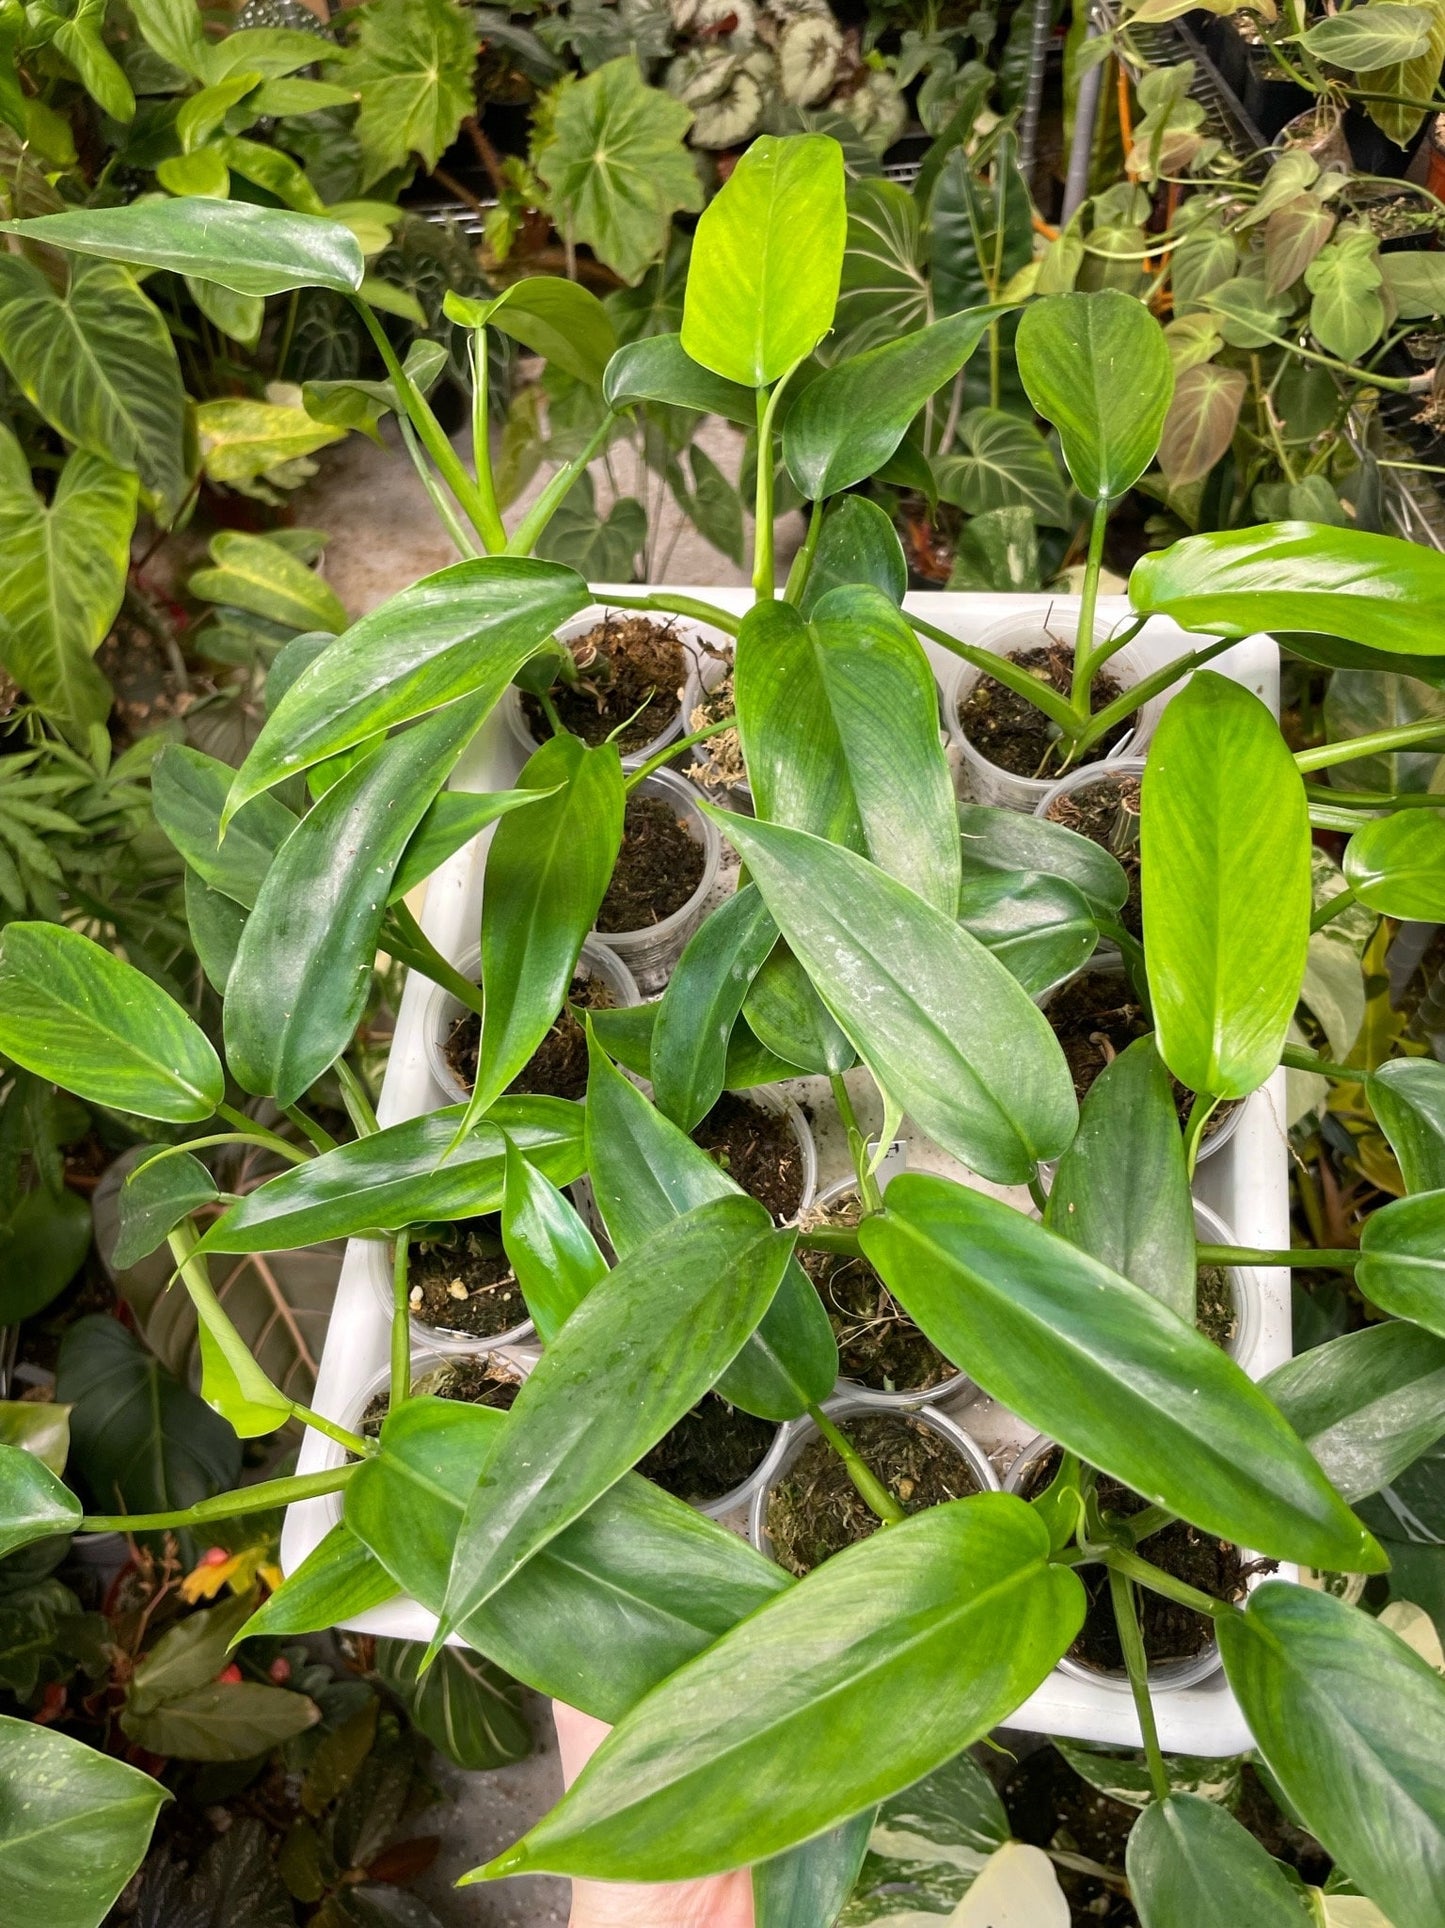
(432, 1338)
(686, 631)
(647, 938)
(741, 1495)
(775, 1099)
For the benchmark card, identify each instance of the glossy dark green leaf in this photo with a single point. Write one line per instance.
(453, 819)
(250, 250)
(43, 1244)
(627, 1593)
(1407, 1096)
(1192, 1865)
(625, 1034)
(982, 229)
(790, 1020)
(303, 968)
(645, 1174)
(1082, 1354)
(701, 1003)
(943, 1026)
(215, 922)
(35, 1504)
(994, 840)
(762, 281)
(553, 1255)
(1331, 652)
(857, 544)
(82, 1018)
(918, 1640)
(188, 790)
(1039, 927)
(848, 422)
(1351, 1723)
(659, 369)
(560, 320)
(467, 629)
(1376, 590)
(1121, 1192)
(809, 1884)
(338, 1579)
(69, 1846)
(464, 1704)
(1366, 1404)
(547, 872)
(839, 724)
(1402, 1259)
(155, 1197)
(402, 1176)
(1396, 865)
(1098, 367)
(639, 1351)
(1225, 870)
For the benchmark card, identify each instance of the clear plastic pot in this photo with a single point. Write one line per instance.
(741, 1495)
(1244, 1287)
(442, 1009)
(651, 953)
(705, 675)
(1084, 777)
(438, 1339)
(842, 1407)
(770, 1098)
(1014, 636)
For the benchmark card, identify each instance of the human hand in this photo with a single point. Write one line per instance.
(717, 1901)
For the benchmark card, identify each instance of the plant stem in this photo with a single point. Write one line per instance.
(869, 1488)
(831, 1238)
(319, 1423)
(481, 428)
(400, 1325)
(1375, 799)
(308, 1127)
(1057, 708)
(1037, 1192)
(1199, 1115)
(869, 1196)
(1339, 1258)
(1084, 652)
(524, 538)
(465, 542)
(1432, 730)
(763, 588)
(265, 1143)
(259, 1135)
(1136, 1662)
(670, 750)
(1128, 943)
(803, 561)
(409, 944)
(1157, 1581)
(1139, 693)
(1331, 908)
(261, 1498)
(668, 604)
(358, 1104)
(1298, 1059)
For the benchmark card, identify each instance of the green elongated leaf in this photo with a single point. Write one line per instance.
(256, 574)
(35, 1504)
(788, 1017)
(99, 365)
(74, 1827)
(62, 577)
(642, 1348)
(232, 1383)
(839, 726)
(645, 1175)
(154, 1199)
(1039, 927)
(810, 1883)
(466, 629)
(338, 1579)
(1121, 1191)
(625, 1034)
(1097, 366)
(552, 1253)
(1003, 840)
(451, 820)
(1396, 865)
(620, 1599)
(1366, 1404)
(941, 1023)
(1376, 590)
(1402, 1259)
(1351, 1723)
(72, 1013)
(659, 369)
(464, 1705)
(1084, 1355)
(847, 423)
(547, 873)
(559, 320)
(41, 1428)
(701, 1004)
(303, 967)
(1191, 1865)
(858, 544)
(402, 1176)
(43, 1244)
(1369, 37)
(248, 249)
(1225, 875)
(188, 792)
(189, 1654)
(1407, 1096)
(762, 283)
(215, 922)
(918, 1640)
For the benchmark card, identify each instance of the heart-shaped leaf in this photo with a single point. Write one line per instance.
(701, 1003)
(1098, 367)
(154, 1199)
(1407, 1096)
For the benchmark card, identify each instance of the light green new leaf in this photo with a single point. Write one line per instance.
(763, 279)
(941, 1023)
(1098, 367)
(257, 574)
(232, 1384)
(701, 1003)
(74, 1825)
(1347, 314)
(250, 250)
(1225, 870)
(839, 724)
(468, 627)
(411, 65)
(560, 320)
(1080, 1353)
(1371, 36)
(73, 1013)
(858, 544)
(1003, 840)
(1366, 1404)
(1039, 927)
(916, 1640)
(239, 316)
(1396, 865)
(1402, 1259)
(553, 1255)
(35, 1504)
(154, 1199)
(1407, 1096)
(339, 1579)
(1192, 1865)
(79, 40)
(658, 369)
(1351, 1723)
(62, 577)
(38, 1427)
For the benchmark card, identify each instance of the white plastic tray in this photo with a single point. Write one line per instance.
(1246, 1182)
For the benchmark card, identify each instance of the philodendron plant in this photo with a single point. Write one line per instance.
(759, 1719)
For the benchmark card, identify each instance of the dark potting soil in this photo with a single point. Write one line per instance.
(630, 671)
(815, 1510)
(460, 1279)
(757, 1150)
(558, 1067)
(709, 1451)
(1095, 1016)
(879, 1346)
(1017, 737)
(658, 867)
(482, 1380)
(1106, 811)
(1050, 1806)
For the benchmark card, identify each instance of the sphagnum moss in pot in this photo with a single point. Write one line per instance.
(625, 673)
